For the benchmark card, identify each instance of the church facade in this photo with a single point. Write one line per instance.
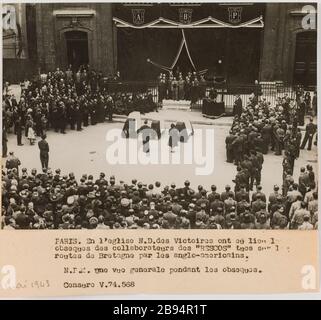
(269, 42)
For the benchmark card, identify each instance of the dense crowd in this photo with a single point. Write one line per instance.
(64, 99)
(52, 200)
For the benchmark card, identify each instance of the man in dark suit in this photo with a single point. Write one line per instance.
(44, 152)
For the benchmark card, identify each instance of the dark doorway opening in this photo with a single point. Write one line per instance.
(305, 64)
(77, 48)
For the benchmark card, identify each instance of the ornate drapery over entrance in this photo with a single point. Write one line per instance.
(210, 15)
(188, 37)
(209, 22)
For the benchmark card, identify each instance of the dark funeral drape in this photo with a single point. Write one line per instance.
(237, 49)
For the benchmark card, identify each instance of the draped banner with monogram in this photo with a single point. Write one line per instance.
(154, 38)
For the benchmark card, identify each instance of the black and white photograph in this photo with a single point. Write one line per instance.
(159, 116)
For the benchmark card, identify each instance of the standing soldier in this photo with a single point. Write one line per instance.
(298, 137)
(85, 112)
(44, 152)
(18, 130)
(304, 181)
(229, 149)
(279, 136)
(79, 117)
(237, 148)
(62, 118)
(310, 130)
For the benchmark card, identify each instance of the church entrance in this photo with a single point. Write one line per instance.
(77, 48)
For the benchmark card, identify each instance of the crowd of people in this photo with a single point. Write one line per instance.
(191, 87)
(260, 127)
(53, 200)
(64, 99)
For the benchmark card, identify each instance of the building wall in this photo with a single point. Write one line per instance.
(282, 23)
(57, 18)
(278, 43)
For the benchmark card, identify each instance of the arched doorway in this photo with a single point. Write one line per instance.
(77, 48)
(305, 64)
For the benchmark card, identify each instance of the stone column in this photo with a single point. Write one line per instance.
(269, 65)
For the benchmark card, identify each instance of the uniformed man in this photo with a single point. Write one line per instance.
(237, 148)
(229, 149)
(310, 130)
(44, 152)
(279, 136)
(18, 130)
(304, 181)
(78, 117)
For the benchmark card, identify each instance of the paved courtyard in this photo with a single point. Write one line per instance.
(85, 152)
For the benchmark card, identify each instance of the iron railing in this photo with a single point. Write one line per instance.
(271, 91)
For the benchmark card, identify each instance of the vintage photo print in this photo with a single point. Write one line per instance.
(144, 143)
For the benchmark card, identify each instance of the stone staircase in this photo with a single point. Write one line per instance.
(177, 105)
